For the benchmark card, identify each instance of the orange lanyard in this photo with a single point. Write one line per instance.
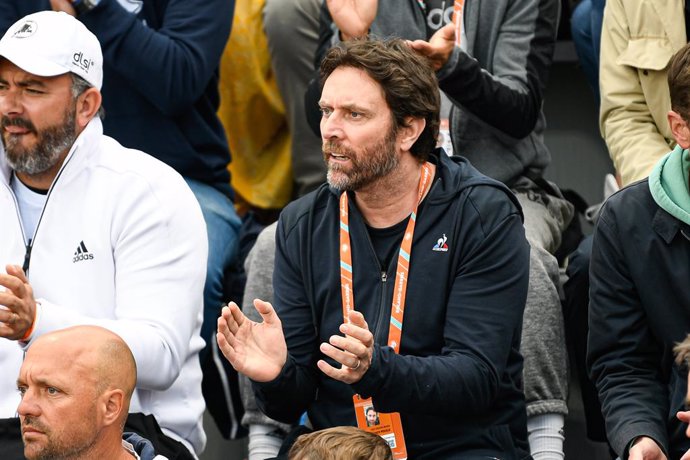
(458, 8)
(346, 272)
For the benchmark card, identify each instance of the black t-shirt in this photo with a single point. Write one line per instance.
(386, 242)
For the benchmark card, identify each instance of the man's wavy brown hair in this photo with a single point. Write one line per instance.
(406, 78)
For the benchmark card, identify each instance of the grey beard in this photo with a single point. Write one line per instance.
(52, 143)
(372, 163)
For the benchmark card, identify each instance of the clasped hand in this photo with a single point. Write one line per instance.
(353, 351)
(17, 298)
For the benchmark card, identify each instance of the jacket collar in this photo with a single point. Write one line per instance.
(78, 154)
(665, 225)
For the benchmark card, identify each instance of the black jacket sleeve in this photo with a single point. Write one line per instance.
(287, 397)
(509, 95)
(171, 61)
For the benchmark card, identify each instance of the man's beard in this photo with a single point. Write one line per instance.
(366, 166)
(51, 143)
(56, 449)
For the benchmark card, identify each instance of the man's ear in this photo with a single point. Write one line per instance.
(113, 402)
(408, 134)
(679, 128)
(88, 104)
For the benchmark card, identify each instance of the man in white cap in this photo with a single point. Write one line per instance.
(94, 233)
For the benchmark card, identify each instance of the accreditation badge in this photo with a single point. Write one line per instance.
(388, 426)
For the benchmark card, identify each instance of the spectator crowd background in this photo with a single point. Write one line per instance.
(226, 92)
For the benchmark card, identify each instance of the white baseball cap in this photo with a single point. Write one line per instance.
(52, 43)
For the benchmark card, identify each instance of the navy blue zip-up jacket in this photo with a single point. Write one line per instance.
(457, 381)
(160, 77)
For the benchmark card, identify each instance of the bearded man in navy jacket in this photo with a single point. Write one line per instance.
(399, 228)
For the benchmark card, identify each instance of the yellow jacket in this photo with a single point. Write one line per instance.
(637, 41)
(253, 113)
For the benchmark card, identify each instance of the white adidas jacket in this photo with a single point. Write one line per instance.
(121, 244)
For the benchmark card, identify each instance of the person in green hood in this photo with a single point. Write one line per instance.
(640, 297)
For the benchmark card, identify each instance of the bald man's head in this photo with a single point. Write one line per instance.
(76, 385)
(106, 356)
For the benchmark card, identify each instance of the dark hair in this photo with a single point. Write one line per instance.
(679, 81)
(340, 443)
(406, 78)
(79, 85)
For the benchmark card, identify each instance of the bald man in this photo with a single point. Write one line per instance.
(76, 386)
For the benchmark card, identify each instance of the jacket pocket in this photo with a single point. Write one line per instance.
(650, 57)
(648, 53)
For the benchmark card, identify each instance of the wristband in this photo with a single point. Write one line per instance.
(30, 331)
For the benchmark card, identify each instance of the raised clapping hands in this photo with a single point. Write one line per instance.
(438, 48)
(354, 351)
(353, 17)
(17, 297)
(258, 350)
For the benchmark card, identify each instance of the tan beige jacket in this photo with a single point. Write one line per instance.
(637, 41)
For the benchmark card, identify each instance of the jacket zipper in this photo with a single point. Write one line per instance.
(384, 279)
(27, 258)
(382, 306)
(32, 241)
(19, 219)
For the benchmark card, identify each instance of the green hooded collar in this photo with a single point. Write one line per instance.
(668, 184)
